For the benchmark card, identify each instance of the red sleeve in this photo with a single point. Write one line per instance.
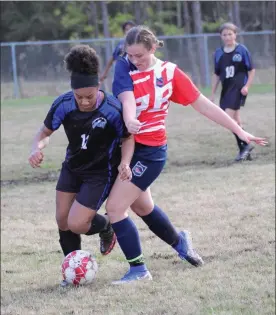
(183, 90)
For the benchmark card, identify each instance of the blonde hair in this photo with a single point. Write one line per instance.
(142, 35)
(228, 26)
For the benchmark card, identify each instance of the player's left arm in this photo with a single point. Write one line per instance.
(127, 151)
(185, 93)
(207, 108)
(250, 68)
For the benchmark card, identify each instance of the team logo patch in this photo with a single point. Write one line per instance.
(99, 123)
(159, 82)
(139, 169)
(237, 58)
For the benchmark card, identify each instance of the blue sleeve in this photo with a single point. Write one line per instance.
(113, 112)
(217, 55)
(118, 50)
(122, 81)
(247, 58)
(57, 113)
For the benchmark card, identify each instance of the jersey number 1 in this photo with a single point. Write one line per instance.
(84, 141)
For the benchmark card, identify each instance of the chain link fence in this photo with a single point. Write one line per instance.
(32, 69)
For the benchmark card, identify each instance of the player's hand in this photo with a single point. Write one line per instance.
(125, 173)
(247, 137)
(244, 90)
(133, 126)
(35, 158)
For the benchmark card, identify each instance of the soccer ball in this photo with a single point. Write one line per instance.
(79, 267)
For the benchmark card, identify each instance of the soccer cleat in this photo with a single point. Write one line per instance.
(246, 152)
(133, 275)
(64, 284)
(187, 252)
(107, 240)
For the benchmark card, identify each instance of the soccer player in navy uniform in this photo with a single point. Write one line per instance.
(118, 49)
(234, 68)
(97, 136)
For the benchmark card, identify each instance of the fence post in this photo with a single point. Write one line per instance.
(206, 60)
(15, 78)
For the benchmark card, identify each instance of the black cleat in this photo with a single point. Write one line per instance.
(244, 154)
(107, 240)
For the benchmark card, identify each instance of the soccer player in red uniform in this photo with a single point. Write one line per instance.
(145, 85)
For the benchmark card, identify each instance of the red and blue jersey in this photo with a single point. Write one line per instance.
(154, 89)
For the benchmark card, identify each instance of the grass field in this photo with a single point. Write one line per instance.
(229, 209)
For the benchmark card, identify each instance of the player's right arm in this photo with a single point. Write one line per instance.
(123, 89)
(40, 141)
(215, 81)
(52, 122)
(216, 75)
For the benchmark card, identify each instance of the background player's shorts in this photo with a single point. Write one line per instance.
(232, 99)
(91, 189)
(147, 164)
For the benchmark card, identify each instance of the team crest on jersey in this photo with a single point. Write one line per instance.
(237, 58)
(99, 122)
(139, 169)
(159, 82)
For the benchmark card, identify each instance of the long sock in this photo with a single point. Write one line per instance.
(128, 239)
(159, 223)
(98, 224)
(69, 241)
(240, 142)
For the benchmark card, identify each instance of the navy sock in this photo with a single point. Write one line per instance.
(240, 142)
(159, 223)
(128, 239)
(98, 224)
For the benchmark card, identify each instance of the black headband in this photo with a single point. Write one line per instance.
(81, 80)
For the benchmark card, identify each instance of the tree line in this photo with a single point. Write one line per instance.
(52, 20)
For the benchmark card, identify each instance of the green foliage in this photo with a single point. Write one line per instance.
(116, 22)
(212, 27)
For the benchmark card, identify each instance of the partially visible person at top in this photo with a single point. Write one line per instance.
(233, 66)
(118, 50)
(146, 85)
(93, 123)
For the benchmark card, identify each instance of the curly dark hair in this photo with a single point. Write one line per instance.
(82, 59)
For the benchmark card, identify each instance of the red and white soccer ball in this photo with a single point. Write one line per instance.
(79, 267)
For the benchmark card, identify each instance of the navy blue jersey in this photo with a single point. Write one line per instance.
(94, 137)
(233, 67)
(118, 50)
(122, 80)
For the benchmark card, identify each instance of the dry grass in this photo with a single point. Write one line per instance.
(228, 207)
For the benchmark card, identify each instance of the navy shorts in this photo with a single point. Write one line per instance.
(232, 98)
(92, 189)
(147, 164)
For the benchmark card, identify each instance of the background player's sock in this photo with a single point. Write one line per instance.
(69, 241)
(159, 223)
(241, 143)
(128, 239)
(98, 224)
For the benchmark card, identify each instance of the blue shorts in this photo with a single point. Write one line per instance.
(92, 189)
(147, 164)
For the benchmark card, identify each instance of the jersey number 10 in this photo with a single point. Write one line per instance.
(230, 71)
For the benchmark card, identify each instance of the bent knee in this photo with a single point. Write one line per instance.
(78, 226)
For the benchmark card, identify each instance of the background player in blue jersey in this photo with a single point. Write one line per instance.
(94, 126)
(118, 49)
(234, 68)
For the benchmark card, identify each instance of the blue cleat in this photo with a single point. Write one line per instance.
(186, 251)
(133, 275)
